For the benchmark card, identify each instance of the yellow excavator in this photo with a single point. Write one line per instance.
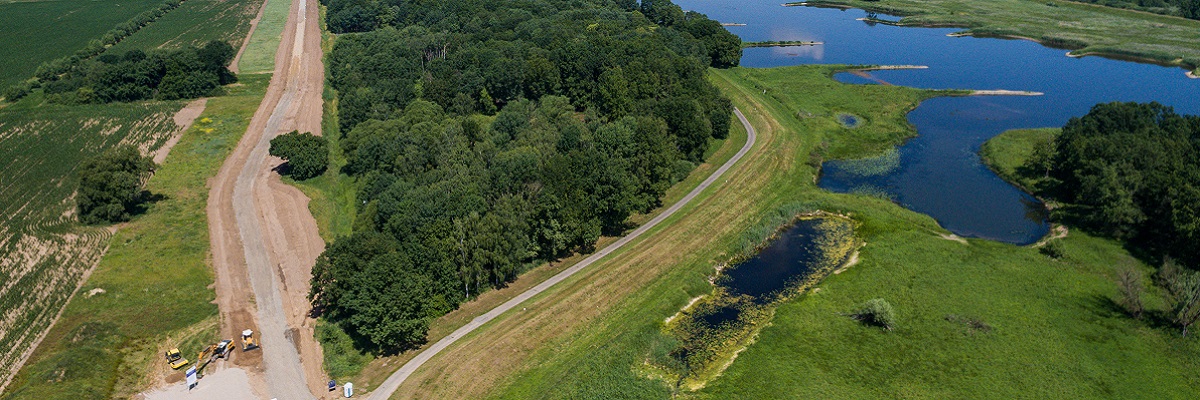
(205, 357)
(175, 359)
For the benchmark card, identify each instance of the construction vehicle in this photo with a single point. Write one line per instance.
(224, 348)
(175, 359)
(248, 341)
(206, 356)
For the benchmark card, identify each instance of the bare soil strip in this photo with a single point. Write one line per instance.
(385, 390)
(184, 119)
(263, 238)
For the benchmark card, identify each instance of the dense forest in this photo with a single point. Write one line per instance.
(185, 73)
(490, 136)
(1134, 172)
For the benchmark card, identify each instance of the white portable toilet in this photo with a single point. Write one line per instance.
(348, 390)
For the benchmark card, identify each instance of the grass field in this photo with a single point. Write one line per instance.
(155, 275)
(44, 253)
(193, 23)
(260, 52)
(33, 32)
(1086, 28)
(1046, 328)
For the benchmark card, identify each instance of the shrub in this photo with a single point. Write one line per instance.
(1052, 249)
(876, 312)
(307, 155)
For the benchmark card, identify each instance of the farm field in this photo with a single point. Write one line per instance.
(33, 32)
(193, 23)
(1085, 28)
(1050, 324)
(44, 253)
(105, 346)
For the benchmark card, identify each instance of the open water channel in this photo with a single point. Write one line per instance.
(939, 172)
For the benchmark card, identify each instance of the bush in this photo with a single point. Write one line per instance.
(307, 155)
(110, 185)
(1052, 249)
(876, 312)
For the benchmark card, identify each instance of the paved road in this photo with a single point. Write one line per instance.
(397, 378)
(282, 368)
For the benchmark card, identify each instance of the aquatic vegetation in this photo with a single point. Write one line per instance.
(881, 164)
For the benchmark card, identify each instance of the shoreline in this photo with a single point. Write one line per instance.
(1193, 71)
(782, 43)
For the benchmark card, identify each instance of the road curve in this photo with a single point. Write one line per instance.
(393, 382)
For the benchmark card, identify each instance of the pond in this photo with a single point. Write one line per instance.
(791, 255)
(939, 172)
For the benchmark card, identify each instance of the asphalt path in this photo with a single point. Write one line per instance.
(397, 378)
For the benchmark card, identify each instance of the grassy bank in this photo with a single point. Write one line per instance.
(1085, 28)
(1007, 152)
(979, 319)
(155, 277)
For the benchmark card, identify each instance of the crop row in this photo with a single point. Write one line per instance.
(44, 253)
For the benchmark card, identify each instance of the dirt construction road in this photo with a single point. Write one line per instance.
(264, 239)
(393, 382)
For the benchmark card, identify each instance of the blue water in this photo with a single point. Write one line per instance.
(940, 173)
(790, 256)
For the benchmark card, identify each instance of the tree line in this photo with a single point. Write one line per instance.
(184, 73)
(1132, 171)
(490, 136)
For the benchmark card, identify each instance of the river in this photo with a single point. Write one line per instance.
(939, 171)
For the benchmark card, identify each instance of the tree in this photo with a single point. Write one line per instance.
(1041, 159)
(307, 155)
(1181, 290)
(1129, 284)
(1189, 9)
(110, 185)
